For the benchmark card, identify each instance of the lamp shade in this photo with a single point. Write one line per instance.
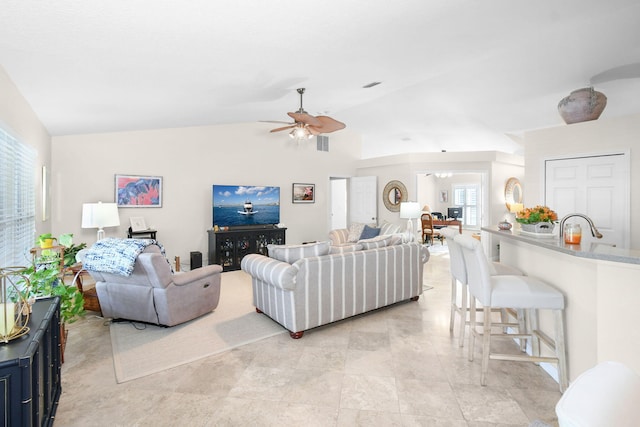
(409, 210)
(99, 215)
(516, 207)
(426, 208)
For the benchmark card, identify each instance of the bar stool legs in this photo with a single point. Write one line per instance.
(460, 310)
(558, 344)
(525, 294)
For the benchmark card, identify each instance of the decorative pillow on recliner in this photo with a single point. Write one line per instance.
(292, 253)
(369, 232)
(376, 242)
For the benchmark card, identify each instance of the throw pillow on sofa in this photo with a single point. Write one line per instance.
(369, 232)
(395, 239)
(389, 228)
(355, 230)
(375, 243)
(346, 248)
(292, 253)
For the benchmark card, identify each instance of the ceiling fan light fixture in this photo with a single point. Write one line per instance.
(300, 133)
(443, 174)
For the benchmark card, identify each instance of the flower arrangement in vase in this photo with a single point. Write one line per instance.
(539, 219)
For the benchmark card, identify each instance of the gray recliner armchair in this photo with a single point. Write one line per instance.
(154, 294)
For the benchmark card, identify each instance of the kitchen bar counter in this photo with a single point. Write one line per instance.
(593, 250)
(601, 284)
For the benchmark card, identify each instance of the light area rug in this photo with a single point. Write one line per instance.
(140, 349)
(438, 249)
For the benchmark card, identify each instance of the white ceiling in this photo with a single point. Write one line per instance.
(457, 75)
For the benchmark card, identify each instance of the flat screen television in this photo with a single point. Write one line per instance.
(245, 206)
(454, 213)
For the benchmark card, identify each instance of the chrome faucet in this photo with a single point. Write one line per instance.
(594, 231)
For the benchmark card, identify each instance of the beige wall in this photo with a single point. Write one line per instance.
(191, 160)
(595, 137)
(18, 119)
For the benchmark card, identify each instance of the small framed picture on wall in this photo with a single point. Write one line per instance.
(304, 193)
(444, 196)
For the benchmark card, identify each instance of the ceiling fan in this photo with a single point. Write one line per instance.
(305, 125)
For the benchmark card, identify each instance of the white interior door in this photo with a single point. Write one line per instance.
(597, 186)
(363, 202)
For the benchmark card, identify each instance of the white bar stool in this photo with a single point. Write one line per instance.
(519, 292)
(605, 395)
(459, 274)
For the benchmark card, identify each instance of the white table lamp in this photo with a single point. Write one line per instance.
(100, 215)
(408, 211)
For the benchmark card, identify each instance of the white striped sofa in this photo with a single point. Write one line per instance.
(317, 290)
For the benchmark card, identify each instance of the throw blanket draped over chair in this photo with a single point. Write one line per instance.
(117, 256)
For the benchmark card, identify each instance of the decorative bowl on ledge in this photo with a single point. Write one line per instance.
(504, 225)
(539, 227)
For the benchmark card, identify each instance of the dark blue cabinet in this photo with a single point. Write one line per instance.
(227, 248)
(30, 369)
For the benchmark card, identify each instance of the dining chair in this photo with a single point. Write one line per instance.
(428, 232)
(509, 291)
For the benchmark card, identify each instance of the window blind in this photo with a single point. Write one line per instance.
(466, 197)
(17, 201)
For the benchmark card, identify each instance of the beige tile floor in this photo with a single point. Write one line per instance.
(397, 366)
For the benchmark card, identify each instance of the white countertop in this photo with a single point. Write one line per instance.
(593, 250)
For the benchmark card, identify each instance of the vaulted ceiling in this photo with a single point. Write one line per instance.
(455, 75)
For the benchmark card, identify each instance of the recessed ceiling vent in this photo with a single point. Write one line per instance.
(372, 84)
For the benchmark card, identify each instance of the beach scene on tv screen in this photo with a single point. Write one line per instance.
(241, 205)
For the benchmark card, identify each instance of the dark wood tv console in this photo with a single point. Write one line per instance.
(227, 248)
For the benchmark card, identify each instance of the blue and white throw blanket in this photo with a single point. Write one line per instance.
(117, 256)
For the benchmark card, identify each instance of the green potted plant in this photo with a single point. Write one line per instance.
(46, 279)
(70, 249)
(45, 241)
(45, 276)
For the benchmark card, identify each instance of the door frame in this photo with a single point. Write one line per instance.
(331, 200)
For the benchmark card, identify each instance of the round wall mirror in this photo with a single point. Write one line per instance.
(512, 192)
(394, 193)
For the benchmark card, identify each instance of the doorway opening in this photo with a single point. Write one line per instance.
(467, 190)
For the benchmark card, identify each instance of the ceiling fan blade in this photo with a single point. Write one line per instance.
(283, 128)
(629, 71)
(327, 125)
(276, 121)
(305, 118)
